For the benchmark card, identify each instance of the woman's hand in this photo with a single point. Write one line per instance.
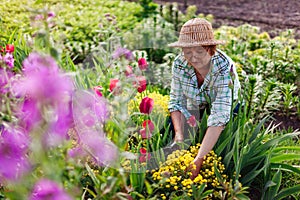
(195, 171)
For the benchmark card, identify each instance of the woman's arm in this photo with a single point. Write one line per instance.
(178, 121)
(209, 141)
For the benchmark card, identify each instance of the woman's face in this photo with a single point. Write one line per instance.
(198, 57)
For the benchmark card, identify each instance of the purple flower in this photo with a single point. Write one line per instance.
(47, 93)
(103, 151)
(47, 189)
(43, 81)
(60, 124)
(9, 60)
(30, 114)
(122, 52)
(89, 111)
(35, 62)
(51, 14)
(13, 149)
(5, 76)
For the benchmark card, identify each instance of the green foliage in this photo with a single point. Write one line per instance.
(149, 8)
(80, 30)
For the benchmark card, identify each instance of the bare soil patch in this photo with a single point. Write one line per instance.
(272, 16)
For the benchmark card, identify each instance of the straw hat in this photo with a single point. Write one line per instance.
(196, 32)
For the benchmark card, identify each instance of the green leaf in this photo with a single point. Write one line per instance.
(257, 130)
(287, 192)
(148, 187)
(242, 197)
(291, 148)
(285, 157)
(285, 167)
(92, 175)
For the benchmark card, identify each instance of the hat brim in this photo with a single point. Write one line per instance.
(196, 44)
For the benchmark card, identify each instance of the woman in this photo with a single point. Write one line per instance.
(202, 76)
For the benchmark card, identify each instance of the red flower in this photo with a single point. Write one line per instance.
(144, 155)
(97, 90)
(142, 83)
(128, 71)
(142, 63)
(192, 121)
(10, 48)
(146, 105)
(114, 86)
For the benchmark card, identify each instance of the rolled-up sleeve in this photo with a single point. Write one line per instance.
(221, 105)
(178, 101)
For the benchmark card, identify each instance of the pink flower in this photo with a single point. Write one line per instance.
(145, 134)
(148, 124)
(97, 90)
(141, 83)
(10, 48)
(114, 86)
(192, 121)
(144, 155)
(142, 64)
(128, 71)
(147, 130)
(146, 105)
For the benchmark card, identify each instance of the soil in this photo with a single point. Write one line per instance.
(273, 16)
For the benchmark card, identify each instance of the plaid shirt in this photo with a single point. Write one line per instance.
(215, 91)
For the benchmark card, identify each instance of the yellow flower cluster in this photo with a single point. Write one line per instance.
(160, 103)
(174, 176)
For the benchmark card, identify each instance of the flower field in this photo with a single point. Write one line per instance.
(84, 91)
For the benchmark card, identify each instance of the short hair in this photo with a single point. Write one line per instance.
(211, 49)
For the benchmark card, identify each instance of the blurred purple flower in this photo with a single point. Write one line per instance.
(5, 76)
(43, 81)
(47, 93)
(58, 128)
(9, 60)
(35, 62)
(13, 149)
(103, 151)
(119, 52)
(39, 17)
(29, 114)
(89, 110)
(51, 14)
(47, 189)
